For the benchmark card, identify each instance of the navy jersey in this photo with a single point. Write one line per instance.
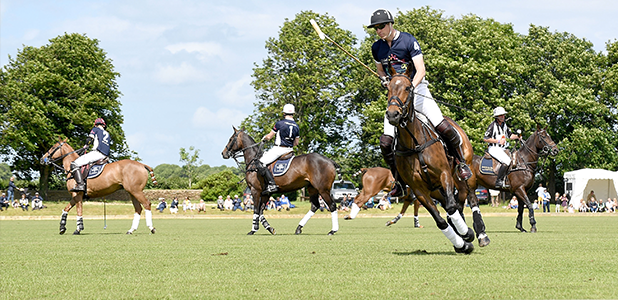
(403, 48)
(101, 140)
(287, 131)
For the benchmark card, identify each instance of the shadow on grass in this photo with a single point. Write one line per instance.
(423, 252)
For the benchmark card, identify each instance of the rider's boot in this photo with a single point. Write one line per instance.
(453, 141)
(501, 174)
(386, 146)
(79, 181)
(271, 186)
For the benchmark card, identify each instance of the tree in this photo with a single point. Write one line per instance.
(222, 183)
(57, 90)
(314, 76)
(190, 159)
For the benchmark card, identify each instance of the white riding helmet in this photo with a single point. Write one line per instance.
(498, 111)
(288, 109)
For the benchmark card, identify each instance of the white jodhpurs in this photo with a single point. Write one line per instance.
(424, 104)
(274, 153)
(88, 158)
(499, 154)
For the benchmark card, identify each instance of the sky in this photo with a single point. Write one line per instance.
(186, 65)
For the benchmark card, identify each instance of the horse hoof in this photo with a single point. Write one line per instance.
(347, 217)
(153, 230)
(469, 237)
(129, 232)
(466, 249)
(389, 223)
(299, 230)
(484, 242)
(332, 232)
(533, 229)
(520, 229)
(251, 232)
(76, 232)
(271, 230)
(63, 230)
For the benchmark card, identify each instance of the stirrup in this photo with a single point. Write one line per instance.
(78, 188)
(397, 190)
(463, 171)
(270, 189)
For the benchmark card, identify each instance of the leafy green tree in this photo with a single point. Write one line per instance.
(167, 170)
(57, 90)
(5, 171)
(222, 183)
(191, 159)
(312, 75)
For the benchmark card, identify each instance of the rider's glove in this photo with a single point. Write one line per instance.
(384, 81)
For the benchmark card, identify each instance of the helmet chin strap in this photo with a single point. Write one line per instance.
(390, 32)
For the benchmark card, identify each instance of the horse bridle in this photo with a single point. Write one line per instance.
(544, 151)
(51, 152)
(403, 105)
(235, 154)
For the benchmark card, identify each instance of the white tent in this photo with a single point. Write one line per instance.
(579, 183)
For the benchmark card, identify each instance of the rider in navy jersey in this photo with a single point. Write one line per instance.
(286, 133)
(100, 150)
(402, 51)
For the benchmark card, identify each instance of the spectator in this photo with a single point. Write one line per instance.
(248, 202)
(564, 202)
(513, 204)
(546, 198)
(37, 202)
(174, 206)
(23, 202)
(369, 203)
(590, 196)
(285, 202)
(162, 205)
(271, 203)
(4, 202)
(571, 208)
(228, 204)
(495, 202)
(220, 203)
(323, 205)
(557, 201)
(11, 191)
(583, 207)
(384, 203)
(535, 205)
(237, 203)
(593, 205)
(186, 204)
(539, 192)
(610, 206)
(201, 206)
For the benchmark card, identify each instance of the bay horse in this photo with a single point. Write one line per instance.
(521, 175)
(374, 180)
(128, 174)
(313, 171)
(422, 161)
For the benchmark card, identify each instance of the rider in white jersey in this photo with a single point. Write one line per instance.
(496, 136)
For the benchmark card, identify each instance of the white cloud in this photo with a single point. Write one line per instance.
(221, 119)
(205, 50)
(184, 73)
(237, 92)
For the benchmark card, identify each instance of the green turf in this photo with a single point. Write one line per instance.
(572, 256)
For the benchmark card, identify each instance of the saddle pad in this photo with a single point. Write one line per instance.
(95, 171)
(487, 166)
(282, 166)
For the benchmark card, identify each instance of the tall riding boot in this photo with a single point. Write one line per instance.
(271, 186)
(386, 146)
(79, 181)
(453, 142)
(501, 174)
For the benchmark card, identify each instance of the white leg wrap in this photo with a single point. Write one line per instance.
(335, 219)
(306, 218)
(482, 236)
(64, 212)
(450, 234)
(79, 218)
(354, 211)
(135, 222)
(476, 209)
(459, 223)
(148, 214)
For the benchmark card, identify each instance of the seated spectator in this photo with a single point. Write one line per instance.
(23, 202)
(174, 206)
(535, 205)
(323, 205)
(601, 205)
(186, 204)
(369, 203)
(4, 202)
(593, 205)
(228, 204)
(384, 203)
(237, 203)
(571, 209)
(220, 203)
(248, 202)
(37, 202)
(285, 202)
(513, 204)
(610, 206)
(201, 206)
(583, 207)
(162, 205)
(271, 203)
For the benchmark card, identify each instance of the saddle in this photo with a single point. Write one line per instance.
(280, 166)
(94, 169)
(490, 166)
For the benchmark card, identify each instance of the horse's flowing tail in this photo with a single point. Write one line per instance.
(152, 175)
(337, 169)
(362, 171)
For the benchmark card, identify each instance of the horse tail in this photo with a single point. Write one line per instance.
(362, 171)
(152, 175)
(337, 169)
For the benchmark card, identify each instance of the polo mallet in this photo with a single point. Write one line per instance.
(104, 215)
(322, 36)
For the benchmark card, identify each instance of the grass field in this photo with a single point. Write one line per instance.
(572, 256)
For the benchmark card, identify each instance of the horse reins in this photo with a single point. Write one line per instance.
(62, 156)
(235, 154)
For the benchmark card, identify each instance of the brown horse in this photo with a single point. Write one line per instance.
(313, 171)
(521, 176)
(128, 174)
(423, 162)
(374, 180)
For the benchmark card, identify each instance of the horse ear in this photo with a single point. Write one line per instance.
(538, 127)
(234, 127)
(391, 69)
(409, 71)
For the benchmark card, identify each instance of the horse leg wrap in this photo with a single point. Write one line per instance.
(80, 223)
(148, 215)
(264, 222)
(135, 222)
(306, 218)
(450, 234)
(63, 219)
(354, 211)
(256, 224)
(459, 223)
(335, 219)
(478, 224)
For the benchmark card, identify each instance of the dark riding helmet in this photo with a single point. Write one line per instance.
(381, 16)
(99, 121)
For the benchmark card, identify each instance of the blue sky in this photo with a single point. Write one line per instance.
(186, 65)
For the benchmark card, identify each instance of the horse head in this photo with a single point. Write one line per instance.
(54, 153)
(544, 144)
(233, 145)
(400, 87)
